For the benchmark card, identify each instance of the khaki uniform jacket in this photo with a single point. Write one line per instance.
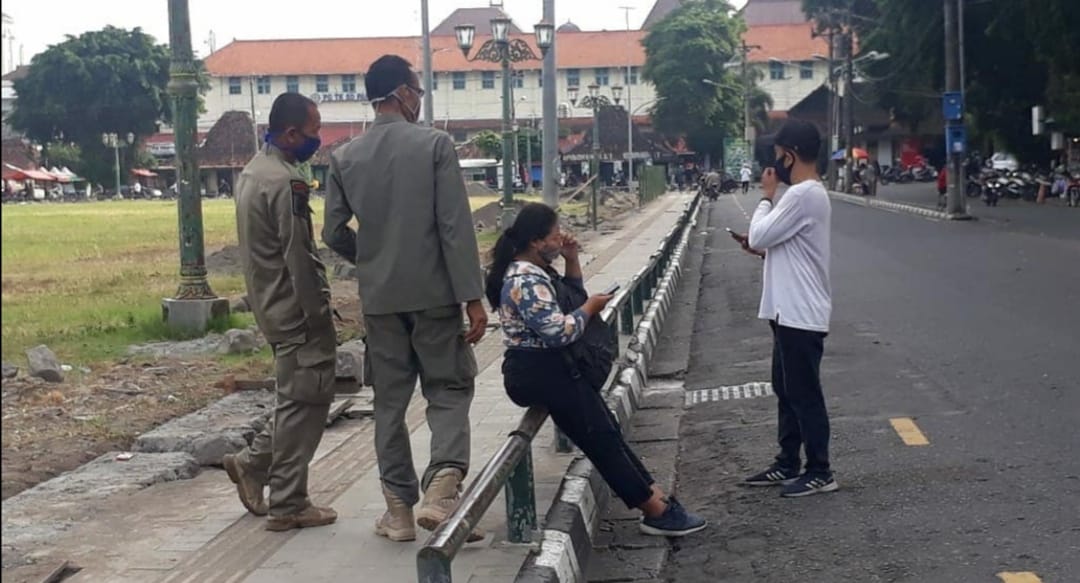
(415, 248)
(286, 282)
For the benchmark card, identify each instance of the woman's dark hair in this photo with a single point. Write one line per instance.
(534, 222)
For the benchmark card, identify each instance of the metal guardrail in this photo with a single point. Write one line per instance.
(511, 467)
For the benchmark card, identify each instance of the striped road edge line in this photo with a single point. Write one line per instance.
(892, 206)
(754, 390)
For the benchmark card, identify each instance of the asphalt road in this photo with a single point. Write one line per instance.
(1051, 219)
(971, 330)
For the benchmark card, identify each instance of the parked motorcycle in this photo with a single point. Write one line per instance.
(1072, 192)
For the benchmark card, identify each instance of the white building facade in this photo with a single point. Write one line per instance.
(249, 75)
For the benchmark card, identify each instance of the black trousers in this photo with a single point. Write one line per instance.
(541, 377)
(802, 419)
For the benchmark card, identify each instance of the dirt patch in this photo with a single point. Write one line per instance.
(487, 216)
(49, 429)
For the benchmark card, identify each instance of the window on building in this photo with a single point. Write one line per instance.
(292, 84)
(434, 82)
(806, 70)
(235, 88)
(573, 77)
(487, 79)
(322, 83)
(262, 84)
(776, 70)
(602, 77)
(519, 79)
(460, 136)
(348, 83)
(540, 79)
(632, 78)
(459, 80)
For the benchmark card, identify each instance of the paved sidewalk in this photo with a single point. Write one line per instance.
(195, 531)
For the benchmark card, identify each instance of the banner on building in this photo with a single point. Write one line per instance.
(736, 153)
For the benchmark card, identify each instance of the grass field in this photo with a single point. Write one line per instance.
(87, 279)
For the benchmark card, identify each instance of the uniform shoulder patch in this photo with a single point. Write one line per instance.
(301, 194)
(299, 187)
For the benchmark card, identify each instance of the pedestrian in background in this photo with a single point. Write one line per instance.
(534, 306)
(418, 263)
(942, 186)
(290, 298)
(792, 235)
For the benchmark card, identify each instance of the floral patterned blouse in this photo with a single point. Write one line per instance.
(530, 314)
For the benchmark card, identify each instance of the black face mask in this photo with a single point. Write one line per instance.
(783, 172)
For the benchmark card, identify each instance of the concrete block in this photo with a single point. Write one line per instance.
(44, 364)
(193, 315)
(226, 426)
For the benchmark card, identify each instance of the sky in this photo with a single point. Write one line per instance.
(40, 23)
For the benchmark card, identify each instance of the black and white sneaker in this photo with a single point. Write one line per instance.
(774, 476)
(810, 485)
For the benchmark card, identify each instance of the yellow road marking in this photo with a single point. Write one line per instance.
(1019, 577)
(910, 434)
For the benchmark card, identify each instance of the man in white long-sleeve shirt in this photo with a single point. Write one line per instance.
(793, 235)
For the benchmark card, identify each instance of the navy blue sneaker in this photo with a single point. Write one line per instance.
(774, 476)
(675, 521)
(810, 485)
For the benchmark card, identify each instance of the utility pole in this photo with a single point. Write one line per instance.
(195, 303)
(550, 152)
(254, 118)
(849, 104)
(831, 114)
(629, 114)
(429, 75)
(956, 205)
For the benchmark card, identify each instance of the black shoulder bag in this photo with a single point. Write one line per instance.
(591, 357)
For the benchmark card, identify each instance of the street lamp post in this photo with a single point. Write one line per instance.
(504, 50)
(114, 141)
(195, 303)
(595, 101)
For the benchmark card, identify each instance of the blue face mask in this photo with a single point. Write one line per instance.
(304, 151)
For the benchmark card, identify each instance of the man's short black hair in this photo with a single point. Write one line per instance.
(290, 110)
(385, 75)
(801, 137)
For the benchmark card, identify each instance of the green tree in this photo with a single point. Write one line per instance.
(1019, 53)
(490, 144)
(693, 43)
(110, 80)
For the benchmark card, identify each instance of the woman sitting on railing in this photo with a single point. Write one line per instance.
(521, 288)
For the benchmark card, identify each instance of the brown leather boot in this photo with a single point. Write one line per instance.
(396, 523)
(306, 518)
(248, 488)
(440, 499)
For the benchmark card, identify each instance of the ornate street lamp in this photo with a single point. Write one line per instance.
(116, 141)
(195, 304)
(594, 101)
(504, 50)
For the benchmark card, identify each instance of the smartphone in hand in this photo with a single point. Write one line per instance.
(611, 289)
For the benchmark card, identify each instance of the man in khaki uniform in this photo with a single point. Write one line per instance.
(417, 262)
(290, 297)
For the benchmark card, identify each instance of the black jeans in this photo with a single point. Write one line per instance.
(541, 377)
(803, 421)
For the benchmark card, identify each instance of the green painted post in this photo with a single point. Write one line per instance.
(521, 501)
(626, 317)
(638, 298)
(184, 88)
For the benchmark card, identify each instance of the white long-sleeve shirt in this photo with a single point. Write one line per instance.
(794, 233)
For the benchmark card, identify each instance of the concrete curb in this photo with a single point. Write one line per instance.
(570, 525)
(898, 207)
